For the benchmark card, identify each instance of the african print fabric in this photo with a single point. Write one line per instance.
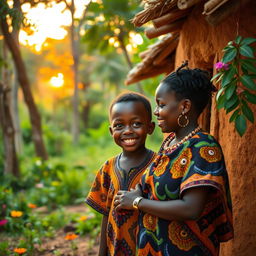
(197, 162)
(122, 225)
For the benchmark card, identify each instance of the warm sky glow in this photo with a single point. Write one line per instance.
(57, 81)
(48, 22)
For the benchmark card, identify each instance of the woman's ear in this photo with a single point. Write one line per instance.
(151, 127)
(185, 105)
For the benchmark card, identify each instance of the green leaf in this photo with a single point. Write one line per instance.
(250, 97)
(230, 44)
(248, 82)
(247, 112)
(230, 90)
(232, 107)
(234, 115)
(232, 101)
(215, 76)
(219, 93)
(220, 77)
(240, 124)
(229, 55)
(228, 76)
(238, 39)
(248, 40)
(249, 66)
(246, 51)
(221, 101)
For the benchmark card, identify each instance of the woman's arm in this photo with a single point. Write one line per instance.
(189, 207)
(103, 236)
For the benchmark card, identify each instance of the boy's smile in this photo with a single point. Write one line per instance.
(130, 124)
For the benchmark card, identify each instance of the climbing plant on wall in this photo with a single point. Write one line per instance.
(236, 72)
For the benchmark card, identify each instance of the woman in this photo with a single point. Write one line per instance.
(183, 199)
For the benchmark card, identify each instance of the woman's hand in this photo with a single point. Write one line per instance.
(124, 199)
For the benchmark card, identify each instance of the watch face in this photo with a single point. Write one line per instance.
(136, 202)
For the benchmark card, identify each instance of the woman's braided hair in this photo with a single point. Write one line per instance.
(193, 84)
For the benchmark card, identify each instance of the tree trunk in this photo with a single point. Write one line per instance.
(128, 60)
(15, 114)
(10, 159)
(25, 85)
(15, 91)
(75, 55)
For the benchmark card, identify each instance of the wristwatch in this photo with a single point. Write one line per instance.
(136, 202)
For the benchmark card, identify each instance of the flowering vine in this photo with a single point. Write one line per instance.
(236, 72)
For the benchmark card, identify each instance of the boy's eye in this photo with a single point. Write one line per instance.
(118, 126)
(137, 124)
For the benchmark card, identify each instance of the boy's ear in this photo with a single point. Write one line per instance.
(110, 130)
(151, 127)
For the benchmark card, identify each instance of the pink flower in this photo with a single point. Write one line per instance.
(3, 222)
(221, 65)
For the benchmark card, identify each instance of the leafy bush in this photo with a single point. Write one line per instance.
(237, 74)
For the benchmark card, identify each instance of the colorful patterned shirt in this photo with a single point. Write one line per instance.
(122, 225)
(197, 162)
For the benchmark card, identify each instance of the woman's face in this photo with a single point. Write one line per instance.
(168, 109)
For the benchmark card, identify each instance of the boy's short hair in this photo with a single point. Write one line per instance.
(133, 97)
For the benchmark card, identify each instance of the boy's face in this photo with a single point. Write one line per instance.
(130, 125)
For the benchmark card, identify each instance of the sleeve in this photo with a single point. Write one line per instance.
(206, 166)
(100, 195)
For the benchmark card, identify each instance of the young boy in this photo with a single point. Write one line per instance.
(130, 122)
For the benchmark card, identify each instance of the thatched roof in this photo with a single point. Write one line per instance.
(168, 17)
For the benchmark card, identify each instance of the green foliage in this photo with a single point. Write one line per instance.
(114, 22)
(91, 225)
(237, 73)
(4, 246)
(15, 15)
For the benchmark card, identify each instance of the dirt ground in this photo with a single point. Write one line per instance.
(60, 247)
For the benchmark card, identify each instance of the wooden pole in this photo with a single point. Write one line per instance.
(170, 28)
(185, 4)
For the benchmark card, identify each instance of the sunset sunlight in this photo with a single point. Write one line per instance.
(57, 81)
(48, 22)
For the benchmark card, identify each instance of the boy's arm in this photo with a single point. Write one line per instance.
(103, 236)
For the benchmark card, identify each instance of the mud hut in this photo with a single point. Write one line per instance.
(198, 30)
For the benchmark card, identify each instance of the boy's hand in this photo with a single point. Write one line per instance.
(124, 199)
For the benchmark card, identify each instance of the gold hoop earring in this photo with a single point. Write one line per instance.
(183, 123)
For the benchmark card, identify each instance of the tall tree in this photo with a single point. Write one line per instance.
(6, 16)
(75, 39)
(109, 24)
(10, 158)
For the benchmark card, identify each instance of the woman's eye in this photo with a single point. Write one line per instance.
(161, 105)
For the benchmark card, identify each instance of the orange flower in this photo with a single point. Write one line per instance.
(83, 218)
(32, 206)
(20, 250)
(16, 214)
(211, 154)
(71, 237)
(150, 222)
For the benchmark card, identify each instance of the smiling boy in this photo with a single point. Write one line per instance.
(130, 118)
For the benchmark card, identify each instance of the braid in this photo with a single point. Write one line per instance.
(193, 84)
(184, 64)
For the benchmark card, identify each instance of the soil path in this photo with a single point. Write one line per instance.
(60, 247)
